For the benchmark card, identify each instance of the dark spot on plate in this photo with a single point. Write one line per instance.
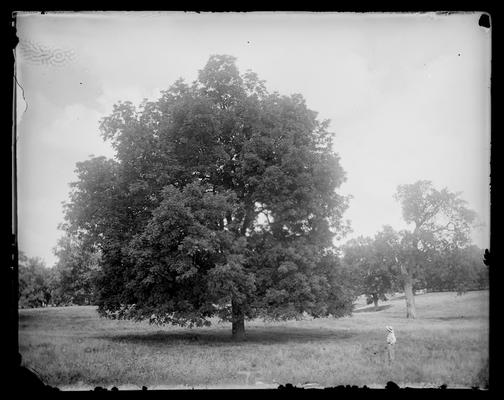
(484, 21)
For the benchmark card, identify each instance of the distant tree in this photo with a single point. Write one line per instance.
(457, 269)
(34, 280)
(75, 272)
(221, 201)
(371, 267)
(441, 223)
(469, 271)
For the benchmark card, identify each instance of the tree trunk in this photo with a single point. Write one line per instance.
(375, 301)
(410, 298)
(238, 322)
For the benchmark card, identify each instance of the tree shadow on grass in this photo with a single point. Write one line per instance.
(25, 321)
(372, 309)
(22, 317)
(452, 318)
(223, 337)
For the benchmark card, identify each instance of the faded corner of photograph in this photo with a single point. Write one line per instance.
(253, 200)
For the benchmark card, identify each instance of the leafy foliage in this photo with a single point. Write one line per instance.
(376, 266)
(70, 282)
(34, 282)
(458, 270)
(74, 273)
(221, 200)
(372, 262)
(441, 219)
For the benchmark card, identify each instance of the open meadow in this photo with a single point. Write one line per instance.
(73, 348)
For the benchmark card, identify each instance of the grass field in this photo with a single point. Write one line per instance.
(72, 348)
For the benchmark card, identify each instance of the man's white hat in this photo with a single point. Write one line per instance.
(389, 328)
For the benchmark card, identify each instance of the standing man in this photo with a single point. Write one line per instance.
(391, 340)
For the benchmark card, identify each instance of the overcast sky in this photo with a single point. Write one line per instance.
(408, 96)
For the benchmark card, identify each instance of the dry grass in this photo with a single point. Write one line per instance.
(446, 344)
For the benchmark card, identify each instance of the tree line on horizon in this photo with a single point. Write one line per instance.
(222, 200)
(376, 275)
(72, 281)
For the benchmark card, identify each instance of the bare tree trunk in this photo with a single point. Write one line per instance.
(238, 322)
(410, 298)
(375, 301)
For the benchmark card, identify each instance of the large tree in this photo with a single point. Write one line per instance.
(221, 200)
(441, 222)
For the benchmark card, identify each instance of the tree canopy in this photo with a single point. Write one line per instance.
(221, 200)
